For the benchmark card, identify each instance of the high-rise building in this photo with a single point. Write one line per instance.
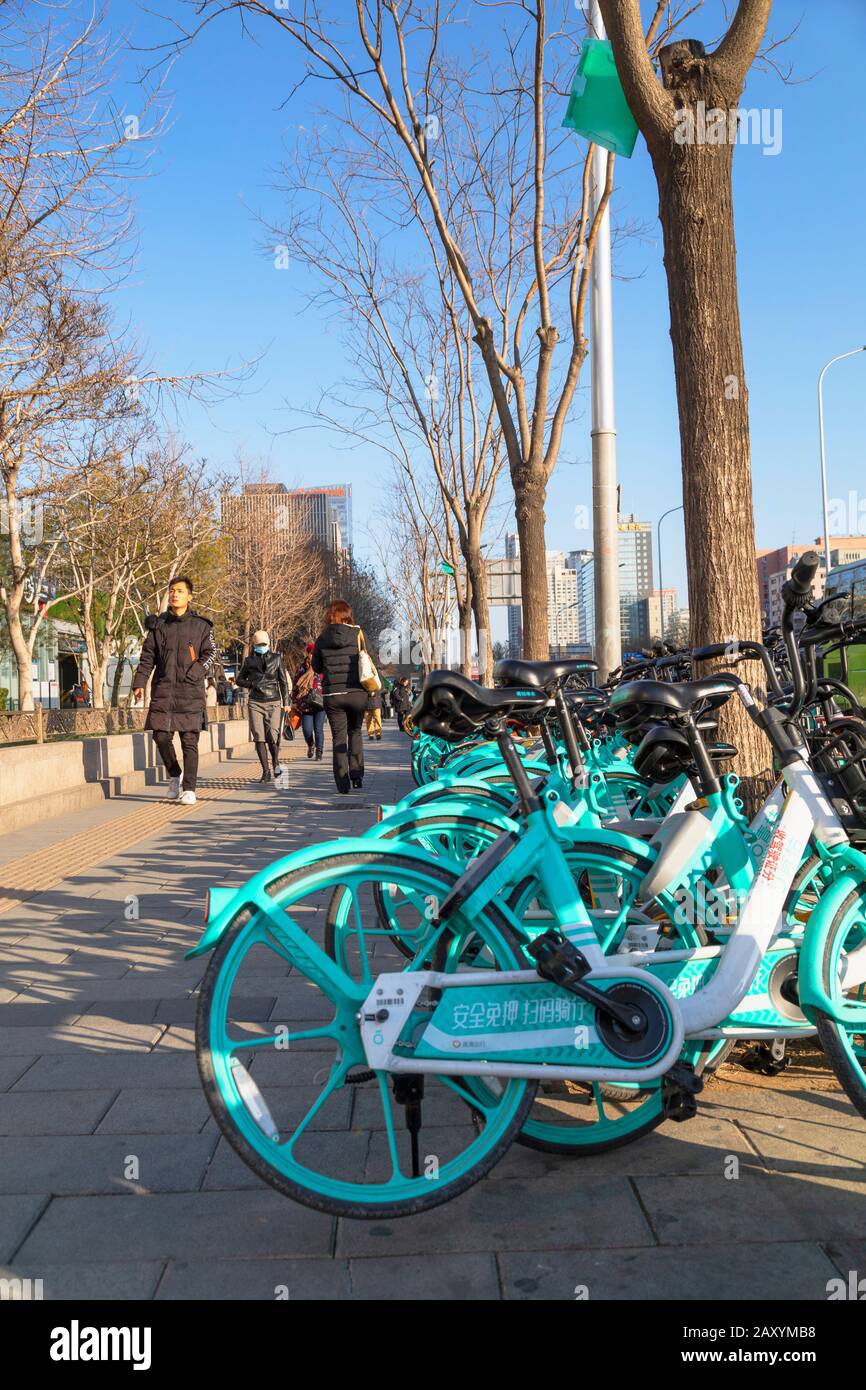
(563, 621)
(661, 606)
(323, 514)
(331, 505)
(635, 579)
(514, 610)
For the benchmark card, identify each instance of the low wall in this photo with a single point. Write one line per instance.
(38, 781)
(20, 726)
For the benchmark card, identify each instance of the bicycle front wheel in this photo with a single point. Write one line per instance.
(286, 1077)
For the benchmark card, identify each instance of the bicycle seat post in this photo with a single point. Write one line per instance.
(566, 724)
(527, 798)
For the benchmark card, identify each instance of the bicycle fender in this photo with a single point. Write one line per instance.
(225, 905)
(810, 987)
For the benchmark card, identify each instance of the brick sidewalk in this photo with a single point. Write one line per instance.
(115, 1183)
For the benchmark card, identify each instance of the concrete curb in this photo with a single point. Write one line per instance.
(84, 761)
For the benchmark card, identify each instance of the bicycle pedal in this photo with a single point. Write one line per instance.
(679, 1088)
(766, 1061)
(556, 959)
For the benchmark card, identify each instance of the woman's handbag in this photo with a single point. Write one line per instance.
(367, 673)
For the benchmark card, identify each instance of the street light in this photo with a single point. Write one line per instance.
(852, 353)
(563, 608)
(669, 512)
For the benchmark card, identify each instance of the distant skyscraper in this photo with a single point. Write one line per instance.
(514, 610)
(635, 579)
(322, 513)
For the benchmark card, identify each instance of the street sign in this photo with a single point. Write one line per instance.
(597, 107)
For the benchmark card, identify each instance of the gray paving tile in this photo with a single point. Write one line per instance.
(828, 1204)
(37, 1015)
(706, 1210)
(732, 1272)
(102, 1162)
(17, 1216)
(188, 1226)
(701, 1145)
(156, 1112)
(83, 1283)
(272, 1280)
(92, 1032)
(449, 1278)
(12, 1068)
(82, 1070)
(849, 1261)
(509, 1215)
(52, 1112)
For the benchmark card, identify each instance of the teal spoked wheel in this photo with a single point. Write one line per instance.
(811, 878)
(845, 1043)
(624, 791)
(441, 835)
(401, 921)
(286, 1075)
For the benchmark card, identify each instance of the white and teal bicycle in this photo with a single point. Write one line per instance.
(389, 1086)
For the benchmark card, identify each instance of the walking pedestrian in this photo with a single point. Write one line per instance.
(179, 651)
(310, 704)
(373, 715)
(264, 676)
(386, 700)
(335, 657)
(401, 699)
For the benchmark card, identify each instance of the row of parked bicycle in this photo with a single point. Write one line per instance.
(557, 933)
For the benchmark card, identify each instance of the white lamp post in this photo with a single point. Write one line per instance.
(852, 353)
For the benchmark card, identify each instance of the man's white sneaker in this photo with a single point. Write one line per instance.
(174, 788)
(187, 799)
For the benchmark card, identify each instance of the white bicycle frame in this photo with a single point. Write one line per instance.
(806, 811)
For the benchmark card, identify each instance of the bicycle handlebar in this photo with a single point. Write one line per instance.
(803, 574)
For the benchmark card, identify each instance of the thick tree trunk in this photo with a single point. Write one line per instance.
(696, 212)
(464, 615)
(530, 493)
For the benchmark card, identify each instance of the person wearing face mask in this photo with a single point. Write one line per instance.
(264, 676)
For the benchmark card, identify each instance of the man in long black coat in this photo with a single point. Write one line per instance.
(179, 649)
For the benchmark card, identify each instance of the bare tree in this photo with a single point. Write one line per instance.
(467, 151)
(421, 590)
(694, 177)
(63, 234)
(276, 576)
(412, 343)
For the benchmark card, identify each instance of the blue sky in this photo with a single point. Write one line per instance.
(204, 292)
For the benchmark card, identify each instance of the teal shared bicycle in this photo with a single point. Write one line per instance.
(385, 1083)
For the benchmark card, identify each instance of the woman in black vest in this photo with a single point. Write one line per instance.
(335, 657)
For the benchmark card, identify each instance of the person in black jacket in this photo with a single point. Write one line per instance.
(335, 656)
(401, 699)
(179, 650)
(264, 675)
